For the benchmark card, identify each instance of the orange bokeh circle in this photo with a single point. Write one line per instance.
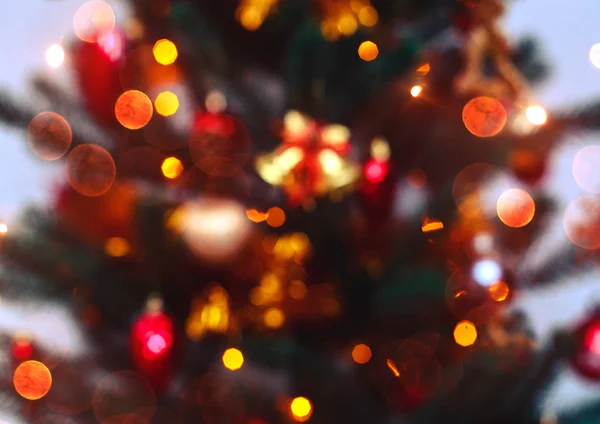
(133, 109)
(515, 208)
(90, 170)
(32, 380)
(49, 135)
(484, 116)
(582, 222)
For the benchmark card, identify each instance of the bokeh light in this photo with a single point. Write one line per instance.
(465, 333)
(361, 354)
(375, 171)
(416, 90)
(585, 168)
(380, 149)
(515, 208)
(215, 102)
(171, 167)
(297, 290)
(275, 217)
(499, 291)
(233, 359)
(165, 52)
(368, 51)
(90, 170)
(582, 222)
(49, 135)
(32, 380)
(3, 228)
(368, 16)
(484, 116)
(273, 318)
(467, 185)
(536, 115)
(595, 55)
(55, 55)
(301, 409)
(93, 20)
(486, 272)
(133, 109)
(117, 247)
(166, 103)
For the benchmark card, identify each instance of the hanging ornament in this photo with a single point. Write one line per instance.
(311, 161)
(483, 36)
(209, 314)
(343, 18)
(152, 343)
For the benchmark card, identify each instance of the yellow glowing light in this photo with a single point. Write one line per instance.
(335, 135)
(393, 368)
(347, 24)
(287, 160)
(273, 318)
(270, 284)
(499, 291)
(295, 123)
(166, 103)
(32, 380)
(275, 217)
(55, 56)
(361, 353)
(368, 51)
(465, 333)
(165, 52)
(416, 90)
(233, 359)
(3, 228)
(536, 115)
(301, 409)
(380, 149)
(330, 161)
(133, 109)
(368, 16)
(297, 290)
(430, 225)
(251, 18)
(515, 208)
(171, 167)
(117, 247)
(256, 216)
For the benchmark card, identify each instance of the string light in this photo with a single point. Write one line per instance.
(55, 55)
(166, 103)
(165, 51)
(465, 333)
(536, 115)
(368, 51)
(171, 167)
(416, 90)
(486, 272)
(301, 409)
(361, 354)
(233, 359)
(117, 247)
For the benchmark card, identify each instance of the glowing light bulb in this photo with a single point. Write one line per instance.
(375, 171)
(156, 343)
(165, 52)
(486, 272)
(368, 51)
(233, 359)
(536, 115)
(55, 56)
(416, 90)
(465, 333)
(301, 409)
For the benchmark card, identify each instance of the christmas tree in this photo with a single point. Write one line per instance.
(282, 211)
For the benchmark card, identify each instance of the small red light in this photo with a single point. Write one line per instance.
(592, 339)
(156, 343)
(375, 171)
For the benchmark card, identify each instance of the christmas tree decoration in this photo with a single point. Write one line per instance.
(171, 167)
(416, 90)
(536, 114)
(32, 380)
(343, 17)
(90, 170)
(133, 109)
(368, 51)
(49, 136)
(515, 208)
(252, 13)
(93, 20)
(485, 36)
(361, 353)
(311, 160)
(465, 333)
(301, 409)
(165, 52)
(166, 103)
(233, 359)
(484, 116)
(209, 314)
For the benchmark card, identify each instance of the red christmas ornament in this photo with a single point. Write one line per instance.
(22, 348)
(152, 343)
(97, 71)
(587, 357)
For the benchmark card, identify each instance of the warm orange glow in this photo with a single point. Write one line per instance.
(166, 103)
(275, 217)
(499, 291)
(93, 20)
(251, 18)
(515, 208)
(424, 70)
(536, 115)
(416, 178)
(49, 136)
(3, 228)
(368, 16)
(171, 167)
(273, 318)
(90, 170)
(233, 359)
(297, 290)
(368, 51)
(301, 409)
(484, 116)
(361, 354)
(416, 90)
(165, 52)
(117, 247)
(465, 333)
(393, 368)
(256, 216)
(133, 109)
(55, 56)
(430, 225)
(32, 380)
(460, 293)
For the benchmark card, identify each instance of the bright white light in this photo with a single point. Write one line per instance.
(486, 272)
(416, 91)
(595, 55)
(55, 56)
(483, 243)
(536, 115)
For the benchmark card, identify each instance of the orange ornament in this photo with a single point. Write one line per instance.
(91, 170)
(484, 116)
(133, 109)
(515, 208)
(32, 380)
